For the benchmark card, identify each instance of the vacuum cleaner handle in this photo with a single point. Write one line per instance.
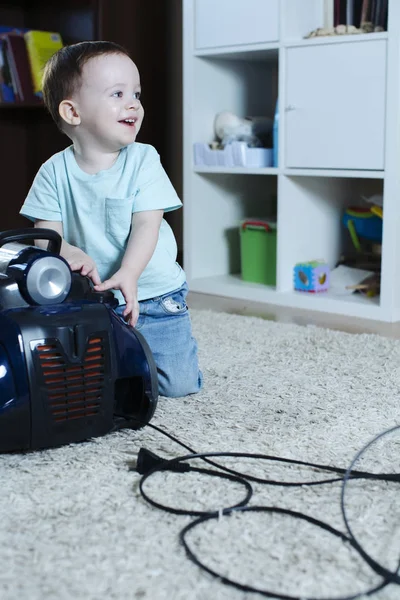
(19, 235)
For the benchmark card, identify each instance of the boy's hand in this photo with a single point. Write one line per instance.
(124, 281)
(77, 259)
(80, 261)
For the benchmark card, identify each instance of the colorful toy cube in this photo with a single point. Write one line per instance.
(311, 276)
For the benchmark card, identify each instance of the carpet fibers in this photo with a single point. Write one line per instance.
(74, 526)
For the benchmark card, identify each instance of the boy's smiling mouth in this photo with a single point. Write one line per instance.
(129, 122)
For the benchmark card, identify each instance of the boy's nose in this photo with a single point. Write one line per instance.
(133, 104)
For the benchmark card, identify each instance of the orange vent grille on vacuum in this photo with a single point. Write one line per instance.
(74, 390)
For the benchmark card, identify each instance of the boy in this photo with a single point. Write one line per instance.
(106, 195)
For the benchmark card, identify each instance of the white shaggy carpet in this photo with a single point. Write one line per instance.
(74, 526)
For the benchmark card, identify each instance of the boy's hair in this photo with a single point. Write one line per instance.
(63, 71)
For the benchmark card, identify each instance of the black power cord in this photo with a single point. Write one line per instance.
(270, 594)
(172, 465)
(149, 463)
(391, 576)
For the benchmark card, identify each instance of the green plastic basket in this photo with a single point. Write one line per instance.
(258, 251)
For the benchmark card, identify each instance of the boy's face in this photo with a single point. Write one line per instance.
(108, 102)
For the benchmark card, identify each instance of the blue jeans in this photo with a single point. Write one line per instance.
(165, 324)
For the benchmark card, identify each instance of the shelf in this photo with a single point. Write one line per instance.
(232, 286)
(337, 39)
(342, 173)
(19, 105)
(356, 174)
(254, 52)
(269, 51)
(237, 170)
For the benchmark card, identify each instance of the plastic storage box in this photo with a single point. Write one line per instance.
(236, 154)
(258, 251)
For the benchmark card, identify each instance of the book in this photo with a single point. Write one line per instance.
(380, 17)
(7, 80)
(336, 13)
(365, 12)
(349, 12)
(13, 71)
(41, 45)
(343, 11)
(20, 67)
(372, 8)
(6, 88)
(8, 29)
(357, 10)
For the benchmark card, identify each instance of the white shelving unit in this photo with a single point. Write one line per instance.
(339, 106)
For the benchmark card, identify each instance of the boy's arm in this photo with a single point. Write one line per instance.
(142, 241)
(75, 257)
(141, 245)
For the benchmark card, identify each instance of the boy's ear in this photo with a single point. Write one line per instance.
(69, 113)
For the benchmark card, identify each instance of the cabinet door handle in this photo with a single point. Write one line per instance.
(289, 108)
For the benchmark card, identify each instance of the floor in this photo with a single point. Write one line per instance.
(288, 315)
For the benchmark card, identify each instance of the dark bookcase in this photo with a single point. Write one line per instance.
(28, 136)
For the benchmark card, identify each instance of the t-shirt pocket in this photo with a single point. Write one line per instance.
(118, 219)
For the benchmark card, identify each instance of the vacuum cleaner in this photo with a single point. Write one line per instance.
(70, 367)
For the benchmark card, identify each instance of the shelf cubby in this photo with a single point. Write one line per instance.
(225, 202)
(242, 86)
(310, 213)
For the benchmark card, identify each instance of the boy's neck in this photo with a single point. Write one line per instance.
(93, 161)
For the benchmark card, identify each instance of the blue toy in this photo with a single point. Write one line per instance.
(311, 276)
(363, 223)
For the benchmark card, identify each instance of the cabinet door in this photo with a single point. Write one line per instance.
(235, 22)
(335, 106)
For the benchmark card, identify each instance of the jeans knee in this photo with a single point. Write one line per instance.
(178, 387)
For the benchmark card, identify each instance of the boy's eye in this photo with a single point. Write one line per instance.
(136, 95)
(117, 94)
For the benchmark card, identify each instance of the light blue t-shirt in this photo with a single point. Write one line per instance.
(96, 211)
